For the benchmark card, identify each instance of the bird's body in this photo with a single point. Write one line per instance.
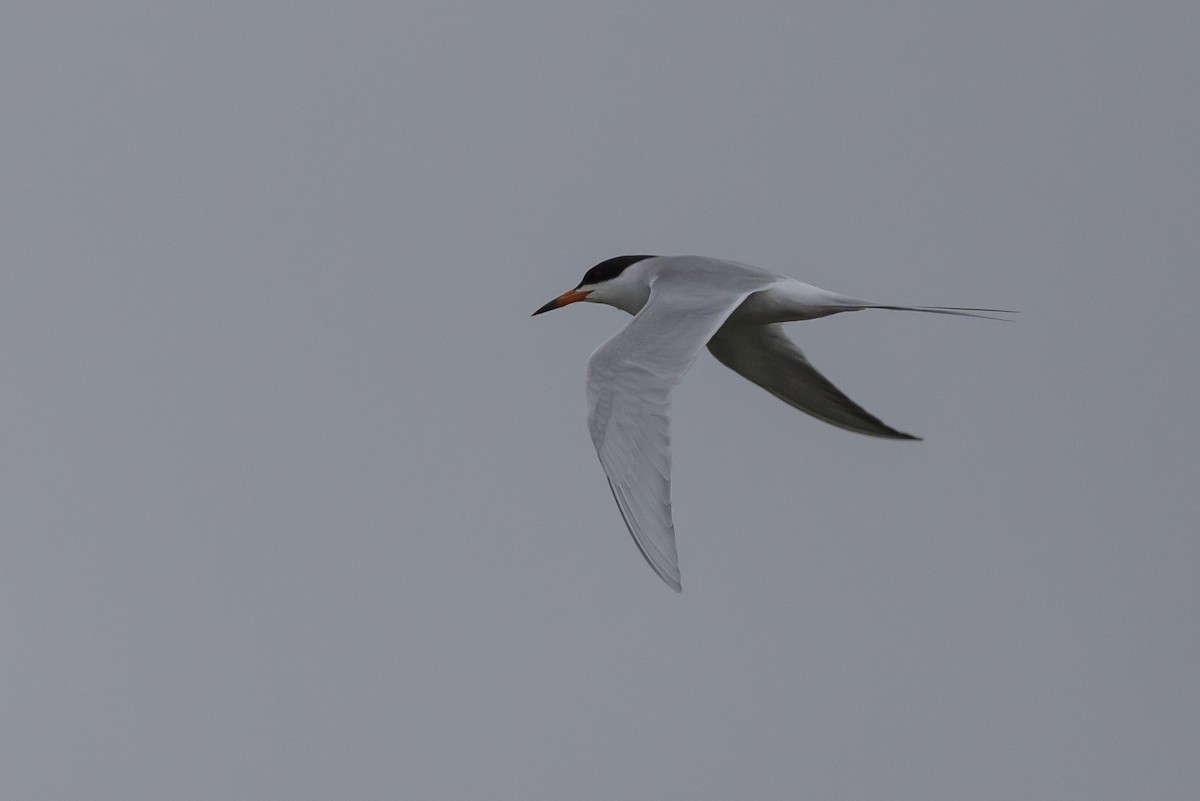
(680, 305)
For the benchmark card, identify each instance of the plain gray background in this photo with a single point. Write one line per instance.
(298, 503)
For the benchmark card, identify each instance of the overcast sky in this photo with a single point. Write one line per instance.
(296, 502)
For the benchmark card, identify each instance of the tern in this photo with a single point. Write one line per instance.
(680, 304)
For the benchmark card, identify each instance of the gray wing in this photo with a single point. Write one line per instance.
(629, 383)
(764, 355)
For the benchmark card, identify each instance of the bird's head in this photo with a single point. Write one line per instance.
(611, 282)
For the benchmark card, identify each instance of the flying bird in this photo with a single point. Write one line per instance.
(680, 304)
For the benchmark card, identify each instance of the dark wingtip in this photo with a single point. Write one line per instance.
(890, 433)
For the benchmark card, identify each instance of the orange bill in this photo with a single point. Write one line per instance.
(564, 299)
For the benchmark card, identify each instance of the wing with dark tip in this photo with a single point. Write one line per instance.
(763, 354)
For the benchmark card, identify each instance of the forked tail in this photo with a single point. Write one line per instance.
(987, 314)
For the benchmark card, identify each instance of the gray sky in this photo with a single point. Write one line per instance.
(297, 502)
